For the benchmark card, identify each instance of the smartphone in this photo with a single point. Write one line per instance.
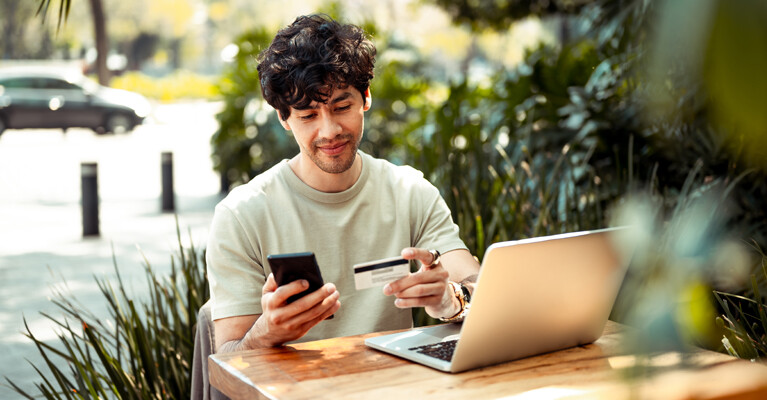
(290, 267)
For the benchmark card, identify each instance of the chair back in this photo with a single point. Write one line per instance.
(204, 345)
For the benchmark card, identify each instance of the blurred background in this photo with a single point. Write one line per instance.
(532, 118)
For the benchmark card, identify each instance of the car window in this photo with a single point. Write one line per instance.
(48, 83)
(19, 83)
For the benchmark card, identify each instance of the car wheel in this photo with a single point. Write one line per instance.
(118, 123)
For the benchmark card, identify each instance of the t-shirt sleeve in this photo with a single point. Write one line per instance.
(436, 229)
(235, 272)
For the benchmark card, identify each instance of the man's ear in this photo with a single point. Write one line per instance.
(283, 122)
(368, 100)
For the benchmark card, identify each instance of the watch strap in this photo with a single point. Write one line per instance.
(463, 302)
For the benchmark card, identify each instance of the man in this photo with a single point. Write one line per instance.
(331, 199)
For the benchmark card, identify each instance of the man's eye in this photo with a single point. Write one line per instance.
(307, 117)
(344, 108)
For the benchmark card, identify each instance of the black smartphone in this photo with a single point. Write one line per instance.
(294, 266)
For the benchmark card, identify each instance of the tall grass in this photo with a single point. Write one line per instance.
(744, 316)
(144, 350)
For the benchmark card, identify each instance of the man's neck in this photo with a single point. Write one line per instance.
(323, 181)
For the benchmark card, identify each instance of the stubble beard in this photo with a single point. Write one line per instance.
(340, 163)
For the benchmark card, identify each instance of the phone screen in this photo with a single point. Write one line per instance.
(294, 266)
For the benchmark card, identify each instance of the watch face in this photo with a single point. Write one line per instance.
(466, 293)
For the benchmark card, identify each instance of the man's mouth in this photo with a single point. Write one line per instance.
(333, 149)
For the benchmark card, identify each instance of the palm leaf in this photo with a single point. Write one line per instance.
(63, 14)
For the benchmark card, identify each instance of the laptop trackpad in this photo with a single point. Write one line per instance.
(440, 333)
(450, 337)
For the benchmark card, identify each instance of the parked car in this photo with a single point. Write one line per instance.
(55, 98)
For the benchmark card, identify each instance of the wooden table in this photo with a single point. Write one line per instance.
(344, 368)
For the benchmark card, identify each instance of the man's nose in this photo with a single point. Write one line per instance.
(330, 128)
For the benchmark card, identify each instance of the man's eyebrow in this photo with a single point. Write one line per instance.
(338, 99)
(309, 107)
(341, 98)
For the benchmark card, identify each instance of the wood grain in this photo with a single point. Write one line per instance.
(344, 368)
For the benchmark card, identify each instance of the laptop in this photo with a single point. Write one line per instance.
(532, 296)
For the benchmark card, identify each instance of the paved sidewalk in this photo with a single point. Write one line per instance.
(69, 263)
(41, 245)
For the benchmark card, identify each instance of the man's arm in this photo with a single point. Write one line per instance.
(231, 332)
(462, 267)
(280, 322)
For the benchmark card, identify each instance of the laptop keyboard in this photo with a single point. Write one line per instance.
(441, 350)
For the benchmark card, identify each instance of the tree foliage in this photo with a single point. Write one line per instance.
(63, 12)
(500, 14)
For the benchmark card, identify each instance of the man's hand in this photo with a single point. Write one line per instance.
(280, 322)
(426, 288)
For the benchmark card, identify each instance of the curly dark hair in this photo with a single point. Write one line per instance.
(310, 58)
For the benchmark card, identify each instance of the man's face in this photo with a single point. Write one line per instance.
(330, 133)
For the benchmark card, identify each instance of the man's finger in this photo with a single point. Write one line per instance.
(400, 284)
(283, 292)
(310, 314)
(314, 298)
(271, 284)
(418, 302)
(423, 276)
(330, 311)
(422, 290)
(414, 253)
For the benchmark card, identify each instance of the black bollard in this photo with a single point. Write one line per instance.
(225, 184)
(168, 198)
(90, 198)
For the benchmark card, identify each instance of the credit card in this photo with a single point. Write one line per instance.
(380, 272)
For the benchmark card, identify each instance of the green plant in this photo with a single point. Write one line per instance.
(744, 317)
(681, 247)
(143, 351)
(249, 138)
(505, 165)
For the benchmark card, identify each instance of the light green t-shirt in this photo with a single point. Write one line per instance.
(388, 208)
